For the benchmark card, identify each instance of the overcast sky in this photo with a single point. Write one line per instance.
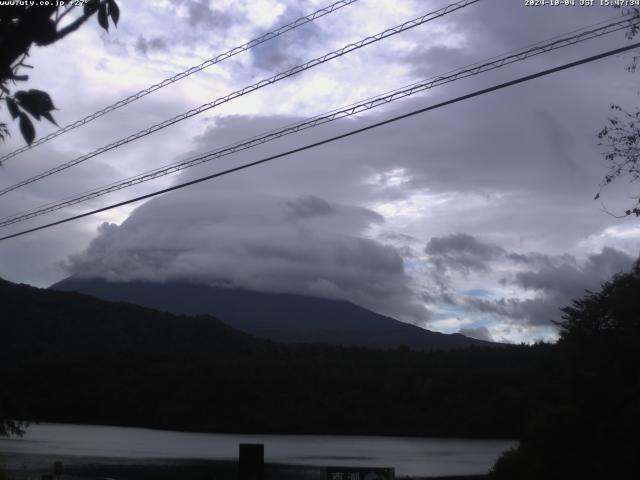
(478, 217)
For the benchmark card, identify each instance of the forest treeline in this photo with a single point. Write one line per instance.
(73, 358)
(592, 433)
(574, 405)
(296, 390)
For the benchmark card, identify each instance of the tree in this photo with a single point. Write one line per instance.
(22, 26)
(9, 425)
(621, 135)
(593, 433)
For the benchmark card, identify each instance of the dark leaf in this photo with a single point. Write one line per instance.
(48, 116)
(91, 6)
(42, 99)
(13, 107)
(597, 196)
(103, 18)
(26, 128)
(36, 102)
(114, 11)
(46, 32)
(29, 108)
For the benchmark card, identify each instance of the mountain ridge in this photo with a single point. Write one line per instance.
(280, 317)
(77, 322)
(71, 358)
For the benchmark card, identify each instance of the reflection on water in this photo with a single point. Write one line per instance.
(409, 456)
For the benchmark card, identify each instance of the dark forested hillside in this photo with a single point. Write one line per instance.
(74, 358)
(593, 433)
(280, 317)
(37, 320)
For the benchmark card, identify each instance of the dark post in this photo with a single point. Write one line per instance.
(251, 464)
(57, 469)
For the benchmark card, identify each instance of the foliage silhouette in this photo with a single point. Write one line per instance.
(75, 358)
(621, 136)
(22, 26)
(280, 317)
(593, 433)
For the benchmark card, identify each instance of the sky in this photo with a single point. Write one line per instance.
(477, 218)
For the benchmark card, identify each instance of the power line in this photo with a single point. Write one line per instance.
(256, 86)
(332, 139)
(524, 53)
(185, 73)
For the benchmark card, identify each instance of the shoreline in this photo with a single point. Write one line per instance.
(32, 467)
(230, 432)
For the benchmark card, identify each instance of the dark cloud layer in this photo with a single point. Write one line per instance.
(462, 252)
(554, 281)
(303, 245)
(145, 45)
(206, 15)
(516, 170)
(481, 333)
(293, 49)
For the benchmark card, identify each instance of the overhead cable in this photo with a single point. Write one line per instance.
(256, 86)
(185, 73)
(330, 140)
(353, 109)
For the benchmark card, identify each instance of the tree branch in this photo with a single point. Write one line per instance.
(67, 10)
(72, 27)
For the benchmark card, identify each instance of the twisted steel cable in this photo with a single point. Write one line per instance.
(353, 109)
(256, 86)
(348, 134)
(185, 73)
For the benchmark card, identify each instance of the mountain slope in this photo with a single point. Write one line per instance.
(36, 320)
(279, 317)
(72, 358)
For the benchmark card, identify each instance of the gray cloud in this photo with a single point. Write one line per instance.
(427, 61)
(309, 206)
(204, 14)
(550, 281)
(556, 282)
(462, 252)
(520, 165)
(253, 241)
(481, 333)
(146, 45)
(568, 279)
(288, 51)
(536, 312)
(201, 14)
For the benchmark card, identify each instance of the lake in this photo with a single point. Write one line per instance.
(410, 456)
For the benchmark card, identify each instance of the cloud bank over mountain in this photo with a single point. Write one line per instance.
(477, 217)
(303, 245)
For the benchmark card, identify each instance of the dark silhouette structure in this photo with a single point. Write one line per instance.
(280, 317)
(24, 25)
(593, 432)
(74, 358)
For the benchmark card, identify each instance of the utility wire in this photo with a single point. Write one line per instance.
(353, 109)
(185, 73)
(256, 86)
(332, 139)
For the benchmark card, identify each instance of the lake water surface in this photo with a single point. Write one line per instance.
(419, 457)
